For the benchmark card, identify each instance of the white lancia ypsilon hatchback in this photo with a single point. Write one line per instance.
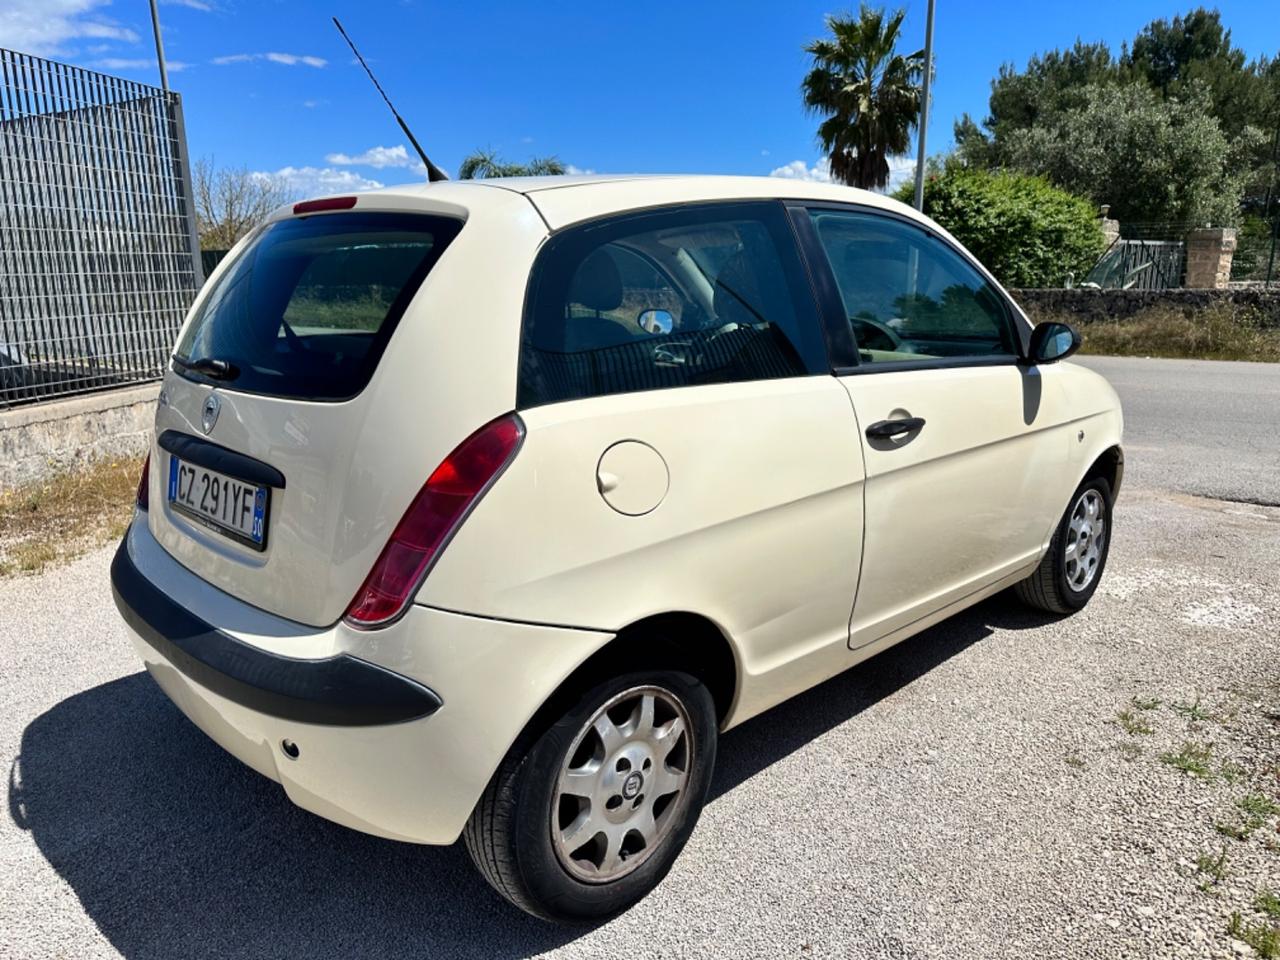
(482, 509)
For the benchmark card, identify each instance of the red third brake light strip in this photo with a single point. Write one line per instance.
(329, 203)
(450, 492)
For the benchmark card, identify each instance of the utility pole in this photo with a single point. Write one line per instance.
(924, 105)
(1274, 222)
(164, 72)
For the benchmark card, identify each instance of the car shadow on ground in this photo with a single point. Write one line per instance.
(175, 849)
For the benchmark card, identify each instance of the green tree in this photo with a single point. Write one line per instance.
(1189, 59)
(483, 164)
(1172, 55)
(1026, 231)
(1020, 99)
(868, 93)
(1150, 159)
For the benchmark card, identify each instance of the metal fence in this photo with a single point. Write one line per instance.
(1257, 256)
(1130, 264)
(99, 258)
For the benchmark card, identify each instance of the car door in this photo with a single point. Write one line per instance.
(958, 437)
(686, 448)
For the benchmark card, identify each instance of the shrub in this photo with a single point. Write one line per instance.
(1026, 231)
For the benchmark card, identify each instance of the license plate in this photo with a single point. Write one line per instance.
(231, 507)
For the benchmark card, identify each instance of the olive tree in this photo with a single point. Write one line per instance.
(1150, 158)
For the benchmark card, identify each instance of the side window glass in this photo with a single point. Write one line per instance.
(907, 295)
(703, 295)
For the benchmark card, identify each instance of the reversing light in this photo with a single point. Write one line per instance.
(439, 508)
(328, 203)
(144, 483)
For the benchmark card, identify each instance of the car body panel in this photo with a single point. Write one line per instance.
(741, 503)
(962, 502)
(414, 781)
(737, 538)
(352, 467)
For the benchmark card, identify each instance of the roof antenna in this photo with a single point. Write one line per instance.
(434, 173)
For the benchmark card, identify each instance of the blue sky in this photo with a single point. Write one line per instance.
(652, 87)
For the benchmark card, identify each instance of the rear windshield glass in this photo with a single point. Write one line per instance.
(306, 310)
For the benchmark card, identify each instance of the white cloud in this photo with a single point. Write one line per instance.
(126, 63)
(377, 157)
(43, 27)
(573, 171)
(302, 182)
(288, 59)
(901, 169)
(799, 170)
(293, 59)
(192, 4)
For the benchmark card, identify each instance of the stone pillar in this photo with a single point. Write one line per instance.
(1110, 228)
(1209, 253)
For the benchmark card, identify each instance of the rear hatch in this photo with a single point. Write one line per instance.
(270, 477)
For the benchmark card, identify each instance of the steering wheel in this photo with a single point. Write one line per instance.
(874, 334)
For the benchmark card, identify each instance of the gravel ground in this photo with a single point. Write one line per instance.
(984, 790)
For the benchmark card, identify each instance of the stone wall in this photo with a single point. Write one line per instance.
(1092, 306)
(42, 439)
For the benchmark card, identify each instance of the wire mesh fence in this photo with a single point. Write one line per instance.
(98, 253)
(1257, 254)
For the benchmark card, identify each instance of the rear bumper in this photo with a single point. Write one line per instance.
(338, 690)
(378, 749)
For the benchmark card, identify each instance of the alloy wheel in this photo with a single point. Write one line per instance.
(623, 784)
(1086, 538)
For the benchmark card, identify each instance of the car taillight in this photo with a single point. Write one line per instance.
(143, 483)
(436, 512)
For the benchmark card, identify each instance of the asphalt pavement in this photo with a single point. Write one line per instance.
(975, 792)
(1206, 427)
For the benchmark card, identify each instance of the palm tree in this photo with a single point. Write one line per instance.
(869, 94)
(483, 164)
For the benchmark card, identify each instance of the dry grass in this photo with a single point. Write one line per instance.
(60, 519)
(1221, 332)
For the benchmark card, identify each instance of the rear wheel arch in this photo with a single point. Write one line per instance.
(683, 641)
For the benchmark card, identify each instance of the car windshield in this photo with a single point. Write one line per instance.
(306, 309)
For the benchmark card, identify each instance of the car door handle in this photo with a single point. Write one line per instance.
(885, 429)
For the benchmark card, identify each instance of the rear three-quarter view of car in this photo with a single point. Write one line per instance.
(481, 510)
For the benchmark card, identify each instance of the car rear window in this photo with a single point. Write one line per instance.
(306, 310)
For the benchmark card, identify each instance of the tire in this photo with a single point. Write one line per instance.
(1058, 585)
(517, 833)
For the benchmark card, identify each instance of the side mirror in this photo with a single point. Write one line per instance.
(1051, 342)
(656, 321)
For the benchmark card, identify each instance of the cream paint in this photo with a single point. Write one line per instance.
(760, 529)
(964, 501)
(352, 467)
(413, 781)
(758, 525)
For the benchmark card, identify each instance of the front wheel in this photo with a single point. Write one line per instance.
(1069, 573)
(585, 819)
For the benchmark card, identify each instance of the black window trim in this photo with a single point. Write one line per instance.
(845, 360)
(620, 217)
